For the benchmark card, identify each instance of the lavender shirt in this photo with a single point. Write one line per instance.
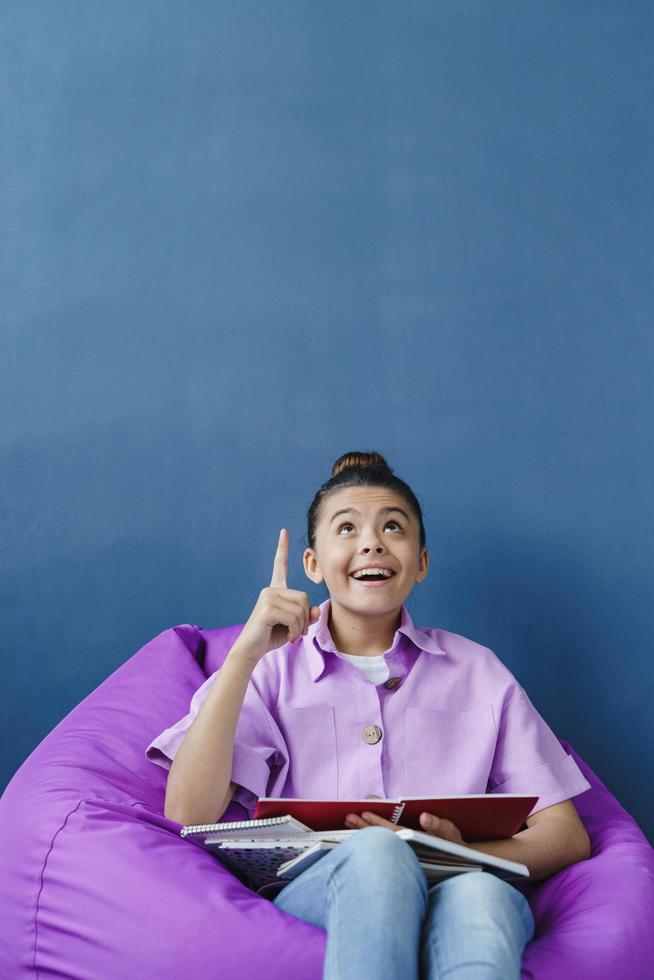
(451, 719)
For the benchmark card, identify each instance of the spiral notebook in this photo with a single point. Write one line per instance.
(284, 826)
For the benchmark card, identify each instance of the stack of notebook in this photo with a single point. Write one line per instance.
(288, 835)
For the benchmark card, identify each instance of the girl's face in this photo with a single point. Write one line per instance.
(361, 526)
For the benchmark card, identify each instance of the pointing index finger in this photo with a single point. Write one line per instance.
(280, 565)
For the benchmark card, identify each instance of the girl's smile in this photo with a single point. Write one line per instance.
(370, 583)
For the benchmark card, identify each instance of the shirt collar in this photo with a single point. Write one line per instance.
(318, 640)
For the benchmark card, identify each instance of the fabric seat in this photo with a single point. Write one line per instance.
(97, 883)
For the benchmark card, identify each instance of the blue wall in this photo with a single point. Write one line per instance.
(240, 239)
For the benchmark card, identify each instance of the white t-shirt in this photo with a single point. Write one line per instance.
(374, 668)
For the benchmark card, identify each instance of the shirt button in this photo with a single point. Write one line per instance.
(372, 734)
(392, 682)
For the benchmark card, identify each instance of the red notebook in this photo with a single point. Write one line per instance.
(479, 816)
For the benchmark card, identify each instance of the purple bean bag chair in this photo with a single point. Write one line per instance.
(95, 884)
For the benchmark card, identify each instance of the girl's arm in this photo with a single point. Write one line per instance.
(555, 839)
(199, 788)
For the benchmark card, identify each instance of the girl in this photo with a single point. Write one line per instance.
(350, 700)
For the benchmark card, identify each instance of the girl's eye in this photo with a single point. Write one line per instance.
(386, 525)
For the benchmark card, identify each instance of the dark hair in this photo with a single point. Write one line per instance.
(361, 470)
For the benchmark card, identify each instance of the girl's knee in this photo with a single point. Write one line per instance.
(375, 833)
(379, 848)
(486, 896)
(483, 883)
(375, 841)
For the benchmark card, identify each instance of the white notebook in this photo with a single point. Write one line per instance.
(286, 826)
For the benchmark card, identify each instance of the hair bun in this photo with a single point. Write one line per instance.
(359, 460)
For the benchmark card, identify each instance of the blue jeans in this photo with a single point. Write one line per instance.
(384, 921)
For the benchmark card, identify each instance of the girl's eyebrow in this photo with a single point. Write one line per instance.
(352, 510)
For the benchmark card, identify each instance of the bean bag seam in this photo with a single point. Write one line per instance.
(45, 861)
(38, 897)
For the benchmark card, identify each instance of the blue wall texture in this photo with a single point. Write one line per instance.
(240, 239)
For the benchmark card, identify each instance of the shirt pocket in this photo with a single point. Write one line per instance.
(447, 752)
(310, 735)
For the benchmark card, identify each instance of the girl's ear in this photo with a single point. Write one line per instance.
(311, 568)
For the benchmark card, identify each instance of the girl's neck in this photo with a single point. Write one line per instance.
(362, 636)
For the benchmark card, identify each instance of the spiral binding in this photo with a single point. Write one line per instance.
(229, 826)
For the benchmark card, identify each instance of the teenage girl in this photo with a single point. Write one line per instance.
(350, 700)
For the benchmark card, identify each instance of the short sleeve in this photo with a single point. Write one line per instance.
(529, 758)
(260, 759)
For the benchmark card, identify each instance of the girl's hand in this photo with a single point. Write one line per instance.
(281, 615)
(429, 824)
